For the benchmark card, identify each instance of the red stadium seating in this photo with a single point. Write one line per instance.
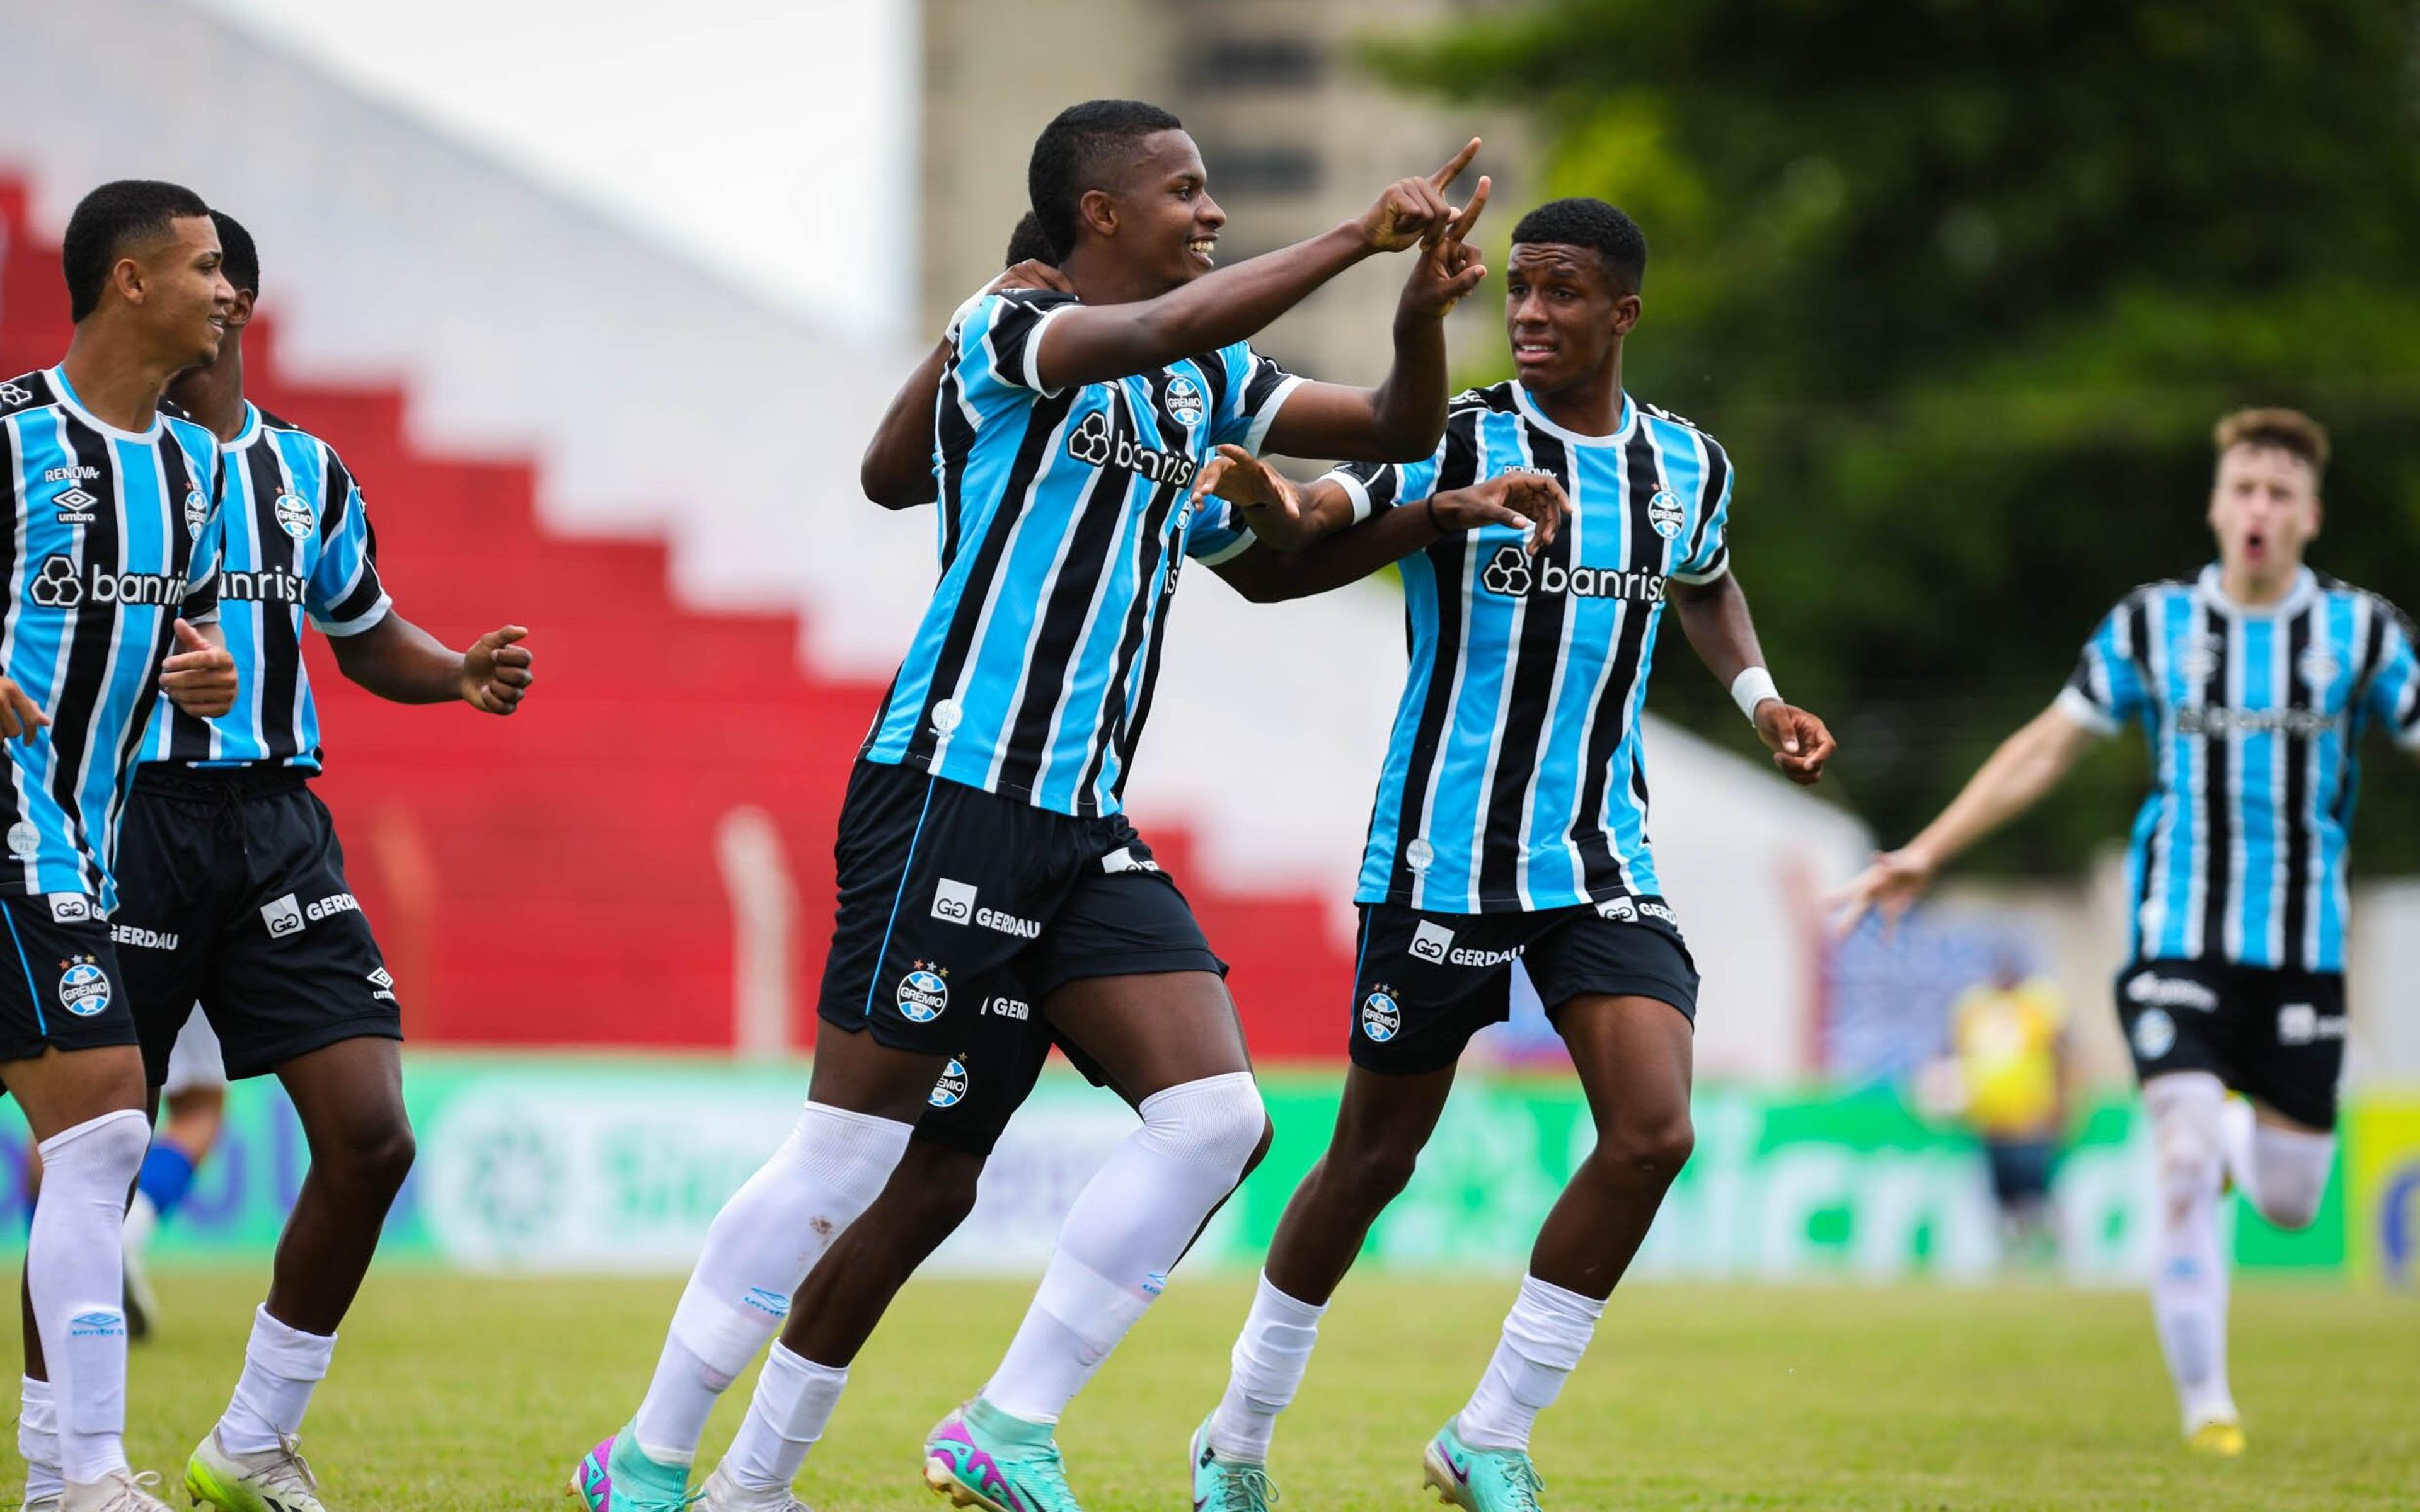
(552, 878)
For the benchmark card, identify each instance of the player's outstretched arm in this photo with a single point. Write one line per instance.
(1094, 343)
(1715, 617)
(402, 663)
(2027, 765)
(897, 470)
(1532, 501)
(1401, 418)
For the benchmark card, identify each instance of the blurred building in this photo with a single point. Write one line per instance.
(1297, 132)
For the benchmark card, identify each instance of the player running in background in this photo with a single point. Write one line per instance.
(233, 888)
(982, 821)
(112, 599)
(1512, 823)
(2254, 683)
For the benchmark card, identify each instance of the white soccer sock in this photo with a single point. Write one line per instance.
(1126, 1230)
(758, 1249)
(1544, 1335)
(73, 1262)
(2290, 1173)
(2188, 1271)
(38, 1439)
(1269, 1358)
(795, 1397)
(282, 1366)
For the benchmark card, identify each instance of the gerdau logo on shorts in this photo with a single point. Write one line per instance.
(924, 993)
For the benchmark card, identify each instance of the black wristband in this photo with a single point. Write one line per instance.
(1434, 523)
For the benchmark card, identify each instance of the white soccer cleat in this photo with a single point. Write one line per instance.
(273, 1480)
(121, 1490)
(723, 1494)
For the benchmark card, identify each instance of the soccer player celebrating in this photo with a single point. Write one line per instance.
(1510, 824)
(2254, 682)
(234, 886)
(983, 820)
(111, 600)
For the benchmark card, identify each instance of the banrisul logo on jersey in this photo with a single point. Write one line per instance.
(1513, 573)
(57, 586)
(84, 987)
(924, 993)
(1095, 439)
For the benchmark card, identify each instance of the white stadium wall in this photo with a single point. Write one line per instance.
(659, 400)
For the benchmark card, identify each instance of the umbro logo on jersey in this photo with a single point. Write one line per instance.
(57, 586)
(1429, 942)
(1512, 573)
(953, 902)
(75, 508)
(1091, 441)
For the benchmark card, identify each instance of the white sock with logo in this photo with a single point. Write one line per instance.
(282, 1367)
(73, 1268)
(1270, 1359)
(1544, 1335)
(1122, 1236)
(758, 1249)
(2188, 1271)
(795, 1397)
(38, 1439)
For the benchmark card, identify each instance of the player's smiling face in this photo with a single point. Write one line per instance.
(1563, 313)
(1167, 220)
(187, 301)
(2265, 510)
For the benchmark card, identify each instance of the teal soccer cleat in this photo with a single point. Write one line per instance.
(1480, 1480)
(979, 1455)
(1227, 1485)
(616, 1477)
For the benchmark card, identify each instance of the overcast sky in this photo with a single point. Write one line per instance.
(773, 139)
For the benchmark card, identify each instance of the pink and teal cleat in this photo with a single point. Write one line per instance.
(616, 1477)
(981, 1456)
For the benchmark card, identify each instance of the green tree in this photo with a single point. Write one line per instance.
(1962, 286)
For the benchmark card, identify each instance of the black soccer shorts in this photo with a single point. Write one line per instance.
(989, 1076)
(231, 891)
(1427, 982)
(61, 985)
(943, 887)
(2274, 1036)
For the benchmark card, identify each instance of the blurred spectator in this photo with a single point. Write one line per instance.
(2007, 1039)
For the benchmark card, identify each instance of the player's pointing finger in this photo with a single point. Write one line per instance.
(1454, 164)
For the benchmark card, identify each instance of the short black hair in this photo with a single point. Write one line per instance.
(1027, 244)
(238, 258)
(1070, 156)
(105, 221)
(1591, 223)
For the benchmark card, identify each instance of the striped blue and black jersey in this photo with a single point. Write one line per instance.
(1063, 524)
(118, 534)
(1513, 779)
(298, 543)
(2254, 716)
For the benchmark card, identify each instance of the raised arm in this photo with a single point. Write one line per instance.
(1091, 344)
(2026, 765)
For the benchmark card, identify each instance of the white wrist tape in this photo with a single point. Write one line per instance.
(1752, 687)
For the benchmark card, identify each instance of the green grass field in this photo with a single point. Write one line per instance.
(457, 1394)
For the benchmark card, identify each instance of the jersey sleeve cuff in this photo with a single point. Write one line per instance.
(1256, 437)
(1721, 569)
(1245, 540)
(1354, 493)
(2084, 712)
(1033, 373)
(367, 620)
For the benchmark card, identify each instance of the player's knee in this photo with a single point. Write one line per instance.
(1370, 1176)
(2290, 1172)
(1216, 1122)
(934, 1188)
(1261, 1150)
(377, 1155)
(1652, 1146)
